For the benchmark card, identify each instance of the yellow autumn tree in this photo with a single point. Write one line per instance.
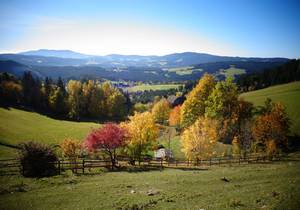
(114, 101)
(194, 105)
(161, 111)
(75, 98)
(142, 133)
(174, 117)
(199, 140)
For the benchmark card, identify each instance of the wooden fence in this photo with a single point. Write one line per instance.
(12, 166)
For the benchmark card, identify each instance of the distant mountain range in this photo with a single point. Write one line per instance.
(68, 57)
(173, 67)
(56, 53)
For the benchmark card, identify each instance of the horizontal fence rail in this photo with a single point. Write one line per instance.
(83, 165)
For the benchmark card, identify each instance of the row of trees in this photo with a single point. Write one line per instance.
(133, 138)
(74, 100)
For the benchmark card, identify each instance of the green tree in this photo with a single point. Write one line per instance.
(222, 100)
(58, 102)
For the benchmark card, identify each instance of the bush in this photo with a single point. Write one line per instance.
(37, 160)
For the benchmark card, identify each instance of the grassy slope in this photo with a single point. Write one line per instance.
(152, 87)
(17, 126)
(288, 94)
(258, 186)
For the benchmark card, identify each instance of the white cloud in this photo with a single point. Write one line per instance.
(124, 38)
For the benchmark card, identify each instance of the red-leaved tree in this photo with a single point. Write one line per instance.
(107, 138)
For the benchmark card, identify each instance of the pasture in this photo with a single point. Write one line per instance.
(232, 71)
(18, 126)
(288, 94)
(253, 186)
(185, 70)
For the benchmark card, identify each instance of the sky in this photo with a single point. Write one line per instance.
(254, 28)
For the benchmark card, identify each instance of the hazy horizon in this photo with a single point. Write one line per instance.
(238, 28)
(29, 50)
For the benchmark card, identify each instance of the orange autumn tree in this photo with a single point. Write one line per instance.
(270, 130)
(174, 117)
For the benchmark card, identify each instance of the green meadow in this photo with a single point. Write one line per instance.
(185, 70)
(232, 71)
(152, 87)
(254, 186)
(18, 126)
(288, 94)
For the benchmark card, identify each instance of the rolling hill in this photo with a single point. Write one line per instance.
(17, 126)
(73, 65)
(288, 94)
(128, 73)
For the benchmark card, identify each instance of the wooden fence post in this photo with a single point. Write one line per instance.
(23, 170)
(161, 162)
(59, 167)
(219, 161)
(209, 161)
(83, 166)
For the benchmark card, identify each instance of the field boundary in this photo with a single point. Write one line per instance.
(84, 165)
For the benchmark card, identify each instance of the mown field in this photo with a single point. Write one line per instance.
(185, 70)
(288, 94)
(254, 186)
(18, 126)
(152, 87)
(232, 71)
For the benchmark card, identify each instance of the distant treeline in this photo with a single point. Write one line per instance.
(288, 72)
(74, 100)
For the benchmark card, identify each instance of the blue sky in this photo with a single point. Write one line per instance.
(262, 28)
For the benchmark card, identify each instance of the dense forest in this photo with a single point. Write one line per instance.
(288, 72)
(75, 100)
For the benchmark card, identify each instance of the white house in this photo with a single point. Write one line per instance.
(163, 153)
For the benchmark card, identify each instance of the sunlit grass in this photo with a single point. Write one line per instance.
(253, 186)
(288, 94)
(19, 126)
(152, 87)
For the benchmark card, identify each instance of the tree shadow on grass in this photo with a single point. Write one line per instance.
(188, 168)
(137, 169)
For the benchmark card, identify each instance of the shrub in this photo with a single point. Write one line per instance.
(71, 148)
(37, 160)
